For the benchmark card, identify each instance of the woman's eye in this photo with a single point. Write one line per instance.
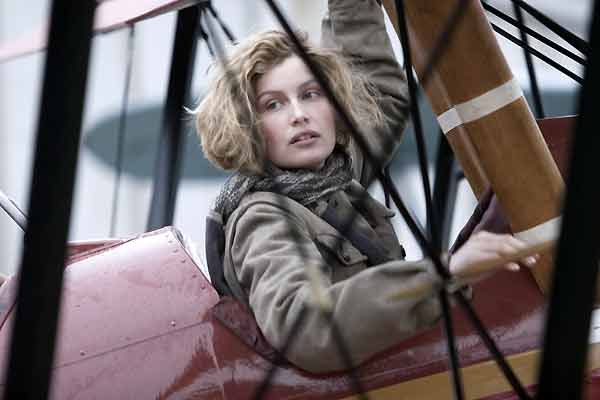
(272, 105)
(311, 94)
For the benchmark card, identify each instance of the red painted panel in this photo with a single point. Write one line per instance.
(129, 308)
(155, 368)
(88, 247)
(558, 133)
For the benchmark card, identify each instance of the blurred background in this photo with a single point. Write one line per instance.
(20, 87)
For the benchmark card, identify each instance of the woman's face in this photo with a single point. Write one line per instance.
(296, 120)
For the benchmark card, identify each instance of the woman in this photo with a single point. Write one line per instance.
(300, 179)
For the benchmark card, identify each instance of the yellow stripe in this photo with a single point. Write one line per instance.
(480, 380)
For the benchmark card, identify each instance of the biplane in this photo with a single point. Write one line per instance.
(140, 318)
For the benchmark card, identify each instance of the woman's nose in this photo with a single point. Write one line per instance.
(299, 114)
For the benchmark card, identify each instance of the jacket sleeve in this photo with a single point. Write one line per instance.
(271, 251)
(357, 29)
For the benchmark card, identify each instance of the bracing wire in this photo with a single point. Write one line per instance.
(263, 388)
(458, 295)
(121, 130)
(416, 120)
(204, 36)
(413, 225)
(14, 212)
(568, 36)
(453, 361)
(534, 34)
(221, 23)
(346, 356)
(538, 54)
(535, 90)
(431, 218)
(292, 334)
(411, 222)
(444, 40)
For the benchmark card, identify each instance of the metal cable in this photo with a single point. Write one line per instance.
(443, 40)
(203, 35)
(410, 220)
(444, 189)
(413, 225)
(346, 357)
(261, 391)
(494, 11)
(457, 383)
(538, 54)
(416, 120)
(535, 90)
(568, 36)
(387, 171)
(506, 369)
(431, 219)
(219, 50)
(13, 211)
(462, 301)
(222, 24)
(122, 129)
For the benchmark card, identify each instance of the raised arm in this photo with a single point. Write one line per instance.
(356, 27)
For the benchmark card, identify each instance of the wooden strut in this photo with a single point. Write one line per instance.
(486, 119)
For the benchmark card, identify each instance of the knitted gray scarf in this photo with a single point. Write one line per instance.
(302, 185)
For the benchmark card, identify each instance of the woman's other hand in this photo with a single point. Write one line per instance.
(486, 251)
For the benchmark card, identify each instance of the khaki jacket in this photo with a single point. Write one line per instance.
(272, 241)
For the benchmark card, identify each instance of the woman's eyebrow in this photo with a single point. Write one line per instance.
(302, 86)
(265, 93)
(309, 83)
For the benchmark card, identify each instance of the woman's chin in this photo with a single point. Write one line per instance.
(313, 165)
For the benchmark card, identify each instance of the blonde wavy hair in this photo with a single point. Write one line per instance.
(226, 119)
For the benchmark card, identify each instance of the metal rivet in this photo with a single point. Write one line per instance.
(346, 257)
(82, 353)
(173, 323)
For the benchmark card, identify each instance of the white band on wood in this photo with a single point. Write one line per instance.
(480, 106)
(595, 327)
(540, 233)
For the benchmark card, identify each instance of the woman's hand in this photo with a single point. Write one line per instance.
(486, 251)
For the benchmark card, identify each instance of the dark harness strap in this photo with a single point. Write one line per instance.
(373, 250)
(215, 249)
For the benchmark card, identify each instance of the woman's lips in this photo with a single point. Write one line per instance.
(304, 137)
